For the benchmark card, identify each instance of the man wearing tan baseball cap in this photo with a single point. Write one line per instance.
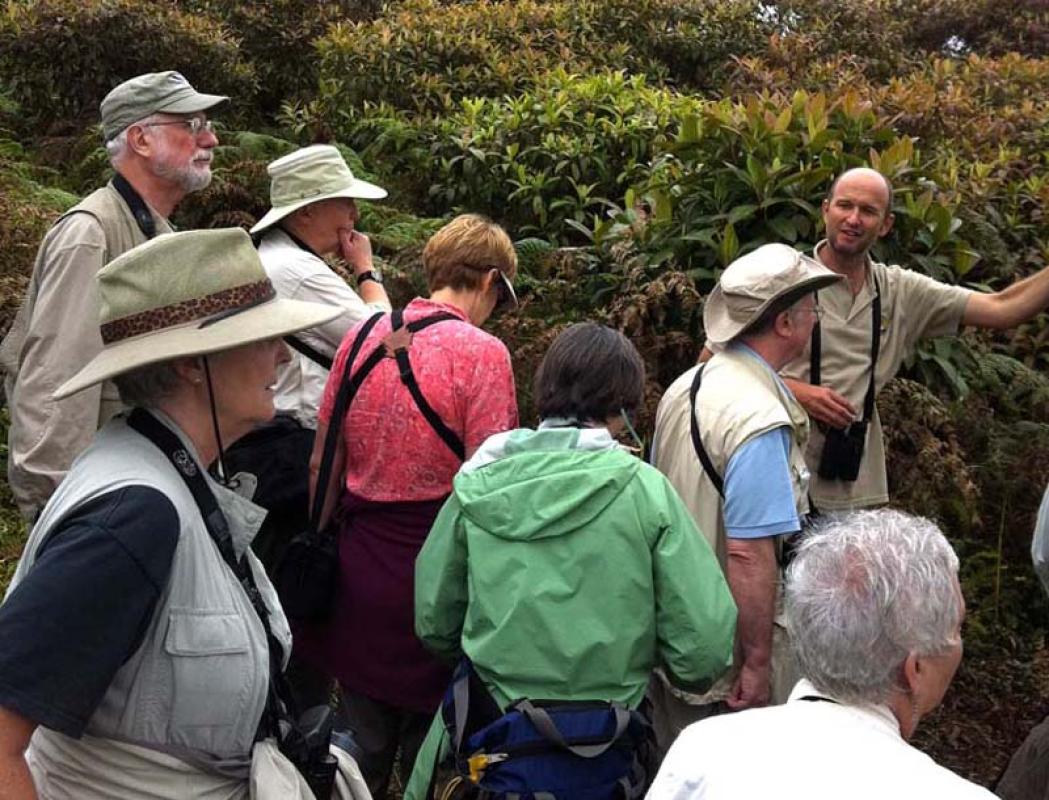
(731, 438)
(159, 141)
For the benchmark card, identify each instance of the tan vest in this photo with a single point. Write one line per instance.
(196, 686)
(739, 398)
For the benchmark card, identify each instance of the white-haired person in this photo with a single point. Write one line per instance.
(140, 634)
(875, 612)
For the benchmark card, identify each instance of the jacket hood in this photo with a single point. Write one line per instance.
(537, 484)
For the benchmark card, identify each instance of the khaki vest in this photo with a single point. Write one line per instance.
(197, 684)
(739, 399)
(122, 233)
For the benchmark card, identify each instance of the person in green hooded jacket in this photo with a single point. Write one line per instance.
(563, 566)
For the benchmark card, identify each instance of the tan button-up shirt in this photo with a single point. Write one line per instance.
(913, 307)
(54, 335)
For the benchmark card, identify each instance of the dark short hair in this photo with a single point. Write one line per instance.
(777, 307)
(589, 373)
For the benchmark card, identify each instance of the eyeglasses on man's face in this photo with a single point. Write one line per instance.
(195, 125)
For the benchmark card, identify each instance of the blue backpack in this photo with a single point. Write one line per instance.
(538, 750)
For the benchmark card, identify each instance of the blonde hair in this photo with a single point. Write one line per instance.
(457, 256)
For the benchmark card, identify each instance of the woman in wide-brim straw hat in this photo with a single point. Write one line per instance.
(139, 631)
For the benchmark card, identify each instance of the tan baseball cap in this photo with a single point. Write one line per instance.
(751, 283)
(152, 93)
(309, 175)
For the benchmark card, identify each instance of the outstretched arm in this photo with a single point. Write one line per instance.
(1011, 306)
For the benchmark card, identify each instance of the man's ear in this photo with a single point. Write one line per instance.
(189, 369)
(138, 142)
(911, 673)
(886, 226)
(783, 324)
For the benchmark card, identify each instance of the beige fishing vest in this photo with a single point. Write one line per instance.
(740, 398)
(196, 687)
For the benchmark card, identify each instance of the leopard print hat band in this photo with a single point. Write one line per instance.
(198, 309)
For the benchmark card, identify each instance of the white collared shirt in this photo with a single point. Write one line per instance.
(298, 274)
(805, 749)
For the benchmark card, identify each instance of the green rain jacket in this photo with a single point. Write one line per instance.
(565, 568)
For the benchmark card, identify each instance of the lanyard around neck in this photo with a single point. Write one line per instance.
(139, 209)
(815, 355)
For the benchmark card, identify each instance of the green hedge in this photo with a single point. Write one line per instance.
(59, 58)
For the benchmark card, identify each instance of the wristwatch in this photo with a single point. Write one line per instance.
(370, 275)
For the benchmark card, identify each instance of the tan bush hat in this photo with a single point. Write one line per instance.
(184, 294)
(152, 93)
(751, 283)
(309, 175)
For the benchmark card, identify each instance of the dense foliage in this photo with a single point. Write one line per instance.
(633, 148)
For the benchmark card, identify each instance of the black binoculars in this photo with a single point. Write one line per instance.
(843, 452)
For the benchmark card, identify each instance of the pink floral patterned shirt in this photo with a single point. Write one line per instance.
(392, 453)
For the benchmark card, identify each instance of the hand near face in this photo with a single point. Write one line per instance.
(356, 249)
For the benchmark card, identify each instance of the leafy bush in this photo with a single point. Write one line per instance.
(426, 55)
(59, 58)
(557, 152)
(277, 38)
(28, 206)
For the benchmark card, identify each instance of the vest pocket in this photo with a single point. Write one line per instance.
(212, 667)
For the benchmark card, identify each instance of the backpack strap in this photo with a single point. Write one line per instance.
(312, 353)
(347, 389)
(697, 442)
(400, 344)
(542, 722)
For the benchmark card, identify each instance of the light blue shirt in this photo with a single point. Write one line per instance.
(759, 495)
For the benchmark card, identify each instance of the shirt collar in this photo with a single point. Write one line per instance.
(879, 715)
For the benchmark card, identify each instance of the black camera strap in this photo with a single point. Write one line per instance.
(139, 210)
(352, 383)
(815, 354)
(278, 696)
(697, 441)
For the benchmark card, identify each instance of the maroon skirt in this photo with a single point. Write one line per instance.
(368, 642)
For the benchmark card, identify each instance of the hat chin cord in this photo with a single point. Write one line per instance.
(221, 460)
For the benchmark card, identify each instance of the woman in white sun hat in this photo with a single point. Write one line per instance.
(140, 633)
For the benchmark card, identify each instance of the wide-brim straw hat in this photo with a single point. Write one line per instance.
(310, 175)
(186, 294)
(752, 283)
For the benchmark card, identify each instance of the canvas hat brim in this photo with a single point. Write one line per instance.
(722, 324)
(357, 190)
(268, 320)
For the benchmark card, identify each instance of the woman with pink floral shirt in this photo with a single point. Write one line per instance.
(393, 472)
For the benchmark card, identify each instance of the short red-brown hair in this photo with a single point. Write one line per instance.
(457, 256)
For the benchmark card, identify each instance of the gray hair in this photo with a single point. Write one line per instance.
(148, 385)
(864, 591)
(116, 148)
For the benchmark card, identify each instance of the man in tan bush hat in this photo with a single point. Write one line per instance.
(731, 438)
(159, 141)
